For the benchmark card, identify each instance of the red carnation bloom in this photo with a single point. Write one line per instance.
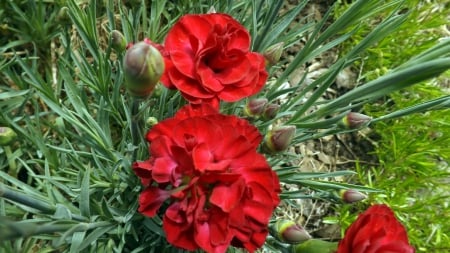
(207, 58)
(376, 231)
(222, 192)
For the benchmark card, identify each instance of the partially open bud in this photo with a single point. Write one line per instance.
(271, 111)
(255, 107)
(273, 53)
(288, 231)
(7, 136)
(351, 196)
(354, 120)
(143, 67)
(118, 41)
(315, 246)
(279, 138)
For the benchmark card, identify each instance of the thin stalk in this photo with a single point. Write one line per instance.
(28, 201)
(11, 161)
(23, 199)
(136, 124)
(15, 230)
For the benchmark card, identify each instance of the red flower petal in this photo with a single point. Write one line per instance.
(228, 196)
(151, 200)
(163, 169)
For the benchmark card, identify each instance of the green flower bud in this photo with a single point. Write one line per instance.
(118, 41)
(351, 196)
(7, 136)
(354, 120)
(288, 231)
(273, 53)
(271, 111)
(279, 138)
(151, 121)
(315, 246)
(255, 107)
(63, 17)
(143, 67)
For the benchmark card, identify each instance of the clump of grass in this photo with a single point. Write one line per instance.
(413, 151)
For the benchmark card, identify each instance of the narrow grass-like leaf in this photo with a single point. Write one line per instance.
(85, 193)
(389, 83)
(277, 33)
(435, 104)
(94, 236)
(76, 241)
(327, 185)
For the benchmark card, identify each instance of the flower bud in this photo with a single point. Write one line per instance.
(279, 138)
(255, 107)
(315, 246)
(273, 53)
(7, 136)
(63, 17)
(354, 120)
(143, 67)
(289, 232)
(118, 41)
(351, 196)
(211, 10)
(271, 111)
(151, 121)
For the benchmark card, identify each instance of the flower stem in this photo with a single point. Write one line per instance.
(11, 162)
(136, 124)
(15, 230)
(26, 200)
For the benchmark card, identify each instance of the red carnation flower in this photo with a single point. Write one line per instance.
(221, 191)
(207, 58)
(376, 231)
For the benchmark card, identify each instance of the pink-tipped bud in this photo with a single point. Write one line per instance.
(143, 67)
(288, 231)
(270, 111)
(255, 107)
(118, 41)
(279, 138)
(7, 136)
(351, 196)
(354, 120)
(273, 53)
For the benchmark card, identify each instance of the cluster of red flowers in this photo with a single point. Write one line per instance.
(219, 190)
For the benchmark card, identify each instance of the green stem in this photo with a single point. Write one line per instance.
(15, 230)
(11, 162)
(26, 200)
(136, 124)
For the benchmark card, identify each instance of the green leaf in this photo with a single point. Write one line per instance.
(84, 194)
(76, 241)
